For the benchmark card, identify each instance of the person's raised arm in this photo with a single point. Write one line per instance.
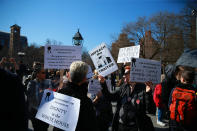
(111, 96)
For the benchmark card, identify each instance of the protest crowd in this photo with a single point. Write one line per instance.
(171, 96)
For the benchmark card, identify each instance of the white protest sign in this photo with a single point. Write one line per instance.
(125, 54)
(60, 57)
(102, 59)
(59, 110)
(94, 86)
(90, 73)
(143, 70)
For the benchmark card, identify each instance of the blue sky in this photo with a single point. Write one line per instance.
(98, 20)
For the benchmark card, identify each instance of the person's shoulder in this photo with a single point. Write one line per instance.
(67, 89)
(8, 76)
(158, 86)
(48, 80)
(140, 87)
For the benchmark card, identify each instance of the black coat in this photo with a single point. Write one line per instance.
(146, 104)
(87, 114)
(13, 105)
(168, 83)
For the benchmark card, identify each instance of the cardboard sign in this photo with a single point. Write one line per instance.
(59, 110)
(103, 61)
(125, 54)
(60, 57)
(143, 70)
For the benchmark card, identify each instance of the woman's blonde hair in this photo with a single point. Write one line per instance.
(78, 71)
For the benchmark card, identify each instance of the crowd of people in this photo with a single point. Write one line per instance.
(174, 99)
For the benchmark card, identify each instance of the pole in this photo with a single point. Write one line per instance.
(194, 13)
(196, 28)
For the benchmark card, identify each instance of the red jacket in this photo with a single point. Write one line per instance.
(157, 96)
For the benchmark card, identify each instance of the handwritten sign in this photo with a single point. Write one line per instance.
(59, 110)
(60, 57)
(102, 59)
(143, 70)
(125, 54)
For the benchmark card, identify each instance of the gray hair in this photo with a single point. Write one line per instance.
(78, 71)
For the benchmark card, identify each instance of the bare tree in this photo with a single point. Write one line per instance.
(86, 57)
(136, 30)
(188, 24)
(157, 35)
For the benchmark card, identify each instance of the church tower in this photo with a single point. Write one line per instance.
(14, 45)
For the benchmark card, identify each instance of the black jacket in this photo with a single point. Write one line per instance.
(13, 105)
(87, 114)
(168, 83)
(140, 109)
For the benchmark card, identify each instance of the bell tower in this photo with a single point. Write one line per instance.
(14, 45)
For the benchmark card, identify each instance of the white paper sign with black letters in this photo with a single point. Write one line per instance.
(59, 110)
(143, 70)
(125, 54)
(60, 57)
(103, 60)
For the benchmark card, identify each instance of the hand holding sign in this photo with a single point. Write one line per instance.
(101, 79)
(149, 86)
(143, 70)
(59, 110)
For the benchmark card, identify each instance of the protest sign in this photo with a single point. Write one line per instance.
(143, 70)
(60, 57)
(125, 54)
(59, 110)
(90, 73)
(94, 87)
(102, 59)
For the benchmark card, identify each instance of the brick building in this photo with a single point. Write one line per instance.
(168, 53)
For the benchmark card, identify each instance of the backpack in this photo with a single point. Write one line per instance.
(183, 107)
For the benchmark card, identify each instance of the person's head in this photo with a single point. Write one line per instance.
(169, 71)
(78, 72)
(177, 72)
(127, 73)
(187, 75)
(35, 63)
(39, 72)
(57, 73)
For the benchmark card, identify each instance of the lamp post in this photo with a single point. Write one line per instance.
(78, 39)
